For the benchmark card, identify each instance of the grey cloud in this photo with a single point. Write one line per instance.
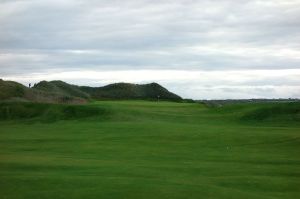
(54, 35)
(139, 25)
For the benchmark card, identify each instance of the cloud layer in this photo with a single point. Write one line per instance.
(50, 37)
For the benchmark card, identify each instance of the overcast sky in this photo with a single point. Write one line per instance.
(203, 49)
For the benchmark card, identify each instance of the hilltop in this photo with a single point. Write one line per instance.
(62, 92)
(10, 89)
(151, 91)
(14, 91)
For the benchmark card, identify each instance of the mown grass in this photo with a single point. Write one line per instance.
(138, 149)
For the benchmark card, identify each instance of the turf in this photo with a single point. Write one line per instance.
(139, 149)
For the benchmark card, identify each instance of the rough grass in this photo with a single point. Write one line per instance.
(275, 112)
(9, 89)
(61, 88)
(47, 112)
(152, 150)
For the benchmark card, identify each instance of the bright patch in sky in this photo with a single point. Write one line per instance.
(215, 84)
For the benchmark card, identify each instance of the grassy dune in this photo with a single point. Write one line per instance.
(138, 149)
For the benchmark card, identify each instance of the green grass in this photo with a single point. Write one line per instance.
(139, 149)
(32, 112)
(10, 89)
(61, 88)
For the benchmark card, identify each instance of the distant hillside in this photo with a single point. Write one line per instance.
(10, 89)
(13, 91)
(61, 88)
(151, 91)
(62, 92)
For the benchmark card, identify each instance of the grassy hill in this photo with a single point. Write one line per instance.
(142, 149)
(62, 92)
(10, 89)
(58, 92)
(61, 88)
(274, 113)
(131, 91)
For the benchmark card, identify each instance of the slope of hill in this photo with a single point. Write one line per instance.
(273, 113)
(10, 89)
(13, 91)
(61, 88)
(151, 91)
(62, 92)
